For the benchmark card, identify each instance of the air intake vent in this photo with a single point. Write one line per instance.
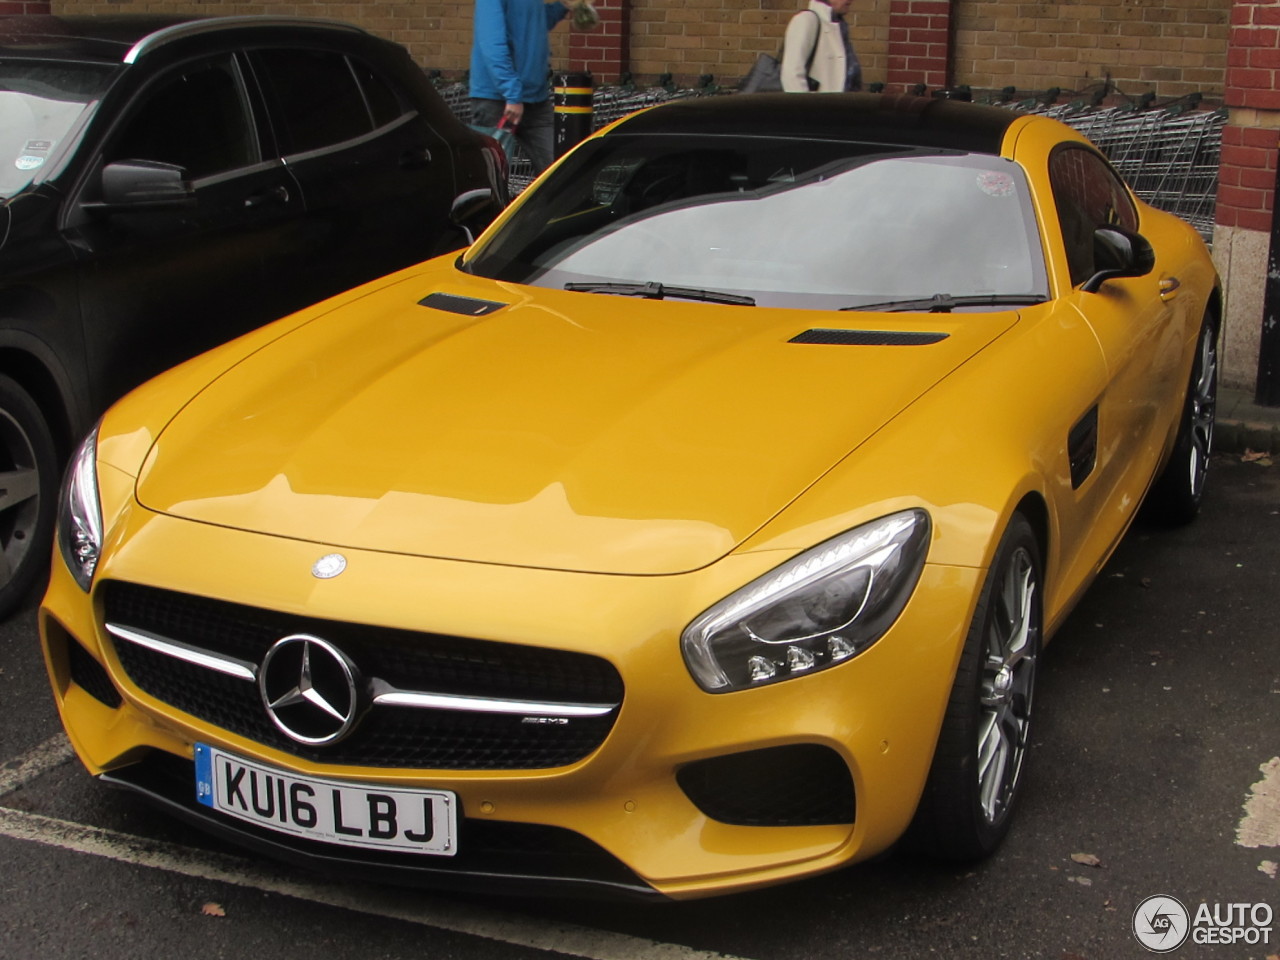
(868, 338)
(467, 306)
(802, 785)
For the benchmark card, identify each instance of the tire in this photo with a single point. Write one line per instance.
(28, 495)
(1175, 497)
(977, 768)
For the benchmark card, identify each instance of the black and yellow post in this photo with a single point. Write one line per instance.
(572, 98)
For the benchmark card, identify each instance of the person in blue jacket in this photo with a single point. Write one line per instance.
(510, 62)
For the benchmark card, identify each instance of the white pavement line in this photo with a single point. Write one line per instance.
(1260, 826)
(410, 906)
(40, 759)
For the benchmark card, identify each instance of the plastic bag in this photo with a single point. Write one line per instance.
(503, 134)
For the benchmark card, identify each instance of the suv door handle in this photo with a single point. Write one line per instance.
(278, 194)
(415, 159)
(1168, 287)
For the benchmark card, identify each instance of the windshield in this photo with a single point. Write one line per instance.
(40, 103)
(810, 224)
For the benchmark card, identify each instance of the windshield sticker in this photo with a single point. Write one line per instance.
(995, 184)
(29, 163)
(38, 146)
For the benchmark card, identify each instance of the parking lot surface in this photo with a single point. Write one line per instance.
(1153, 773)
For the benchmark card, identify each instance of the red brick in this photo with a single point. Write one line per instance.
(1259, 99)
(1261, 37)
(1259, 220)
(1251, 79)
(1252, 158)
(1241, 198)
(1257, 179)
(1259, 137)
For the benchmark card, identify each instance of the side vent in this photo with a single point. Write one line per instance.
(1082, 447)
(868, 338)
(467, 306)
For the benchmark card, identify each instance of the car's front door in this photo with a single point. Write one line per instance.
(1134, 323)
(377, 180)
(162, 280)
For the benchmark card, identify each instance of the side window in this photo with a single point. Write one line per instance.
(196, 117)
(317, 97)
(384, 104)
(1088, 195)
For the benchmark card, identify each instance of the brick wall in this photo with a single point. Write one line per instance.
(23, 7)
(436, 32)
(920, 39)
(1171, 47)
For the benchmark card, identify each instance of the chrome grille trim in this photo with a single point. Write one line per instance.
(383, 693)
(240, 669)
(444, 701)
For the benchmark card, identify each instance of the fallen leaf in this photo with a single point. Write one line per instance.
(1087, 859)
(1269, 867)
(213, 910)
(1262, 459)
(1083, 881)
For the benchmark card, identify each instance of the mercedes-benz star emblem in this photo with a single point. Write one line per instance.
(329, 566)
(310, 689)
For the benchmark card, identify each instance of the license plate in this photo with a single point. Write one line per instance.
(334, 811)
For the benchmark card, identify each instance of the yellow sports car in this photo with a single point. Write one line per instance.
(697, 529)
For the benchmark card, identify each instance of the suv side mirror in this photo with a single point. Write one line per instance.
(1118, 252)
(144, 183)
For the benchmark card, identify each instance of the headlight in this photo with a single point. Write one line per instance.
(816, 610)
(79, 514)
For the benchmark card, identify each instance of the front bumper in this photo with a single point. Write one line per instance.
(621, 819)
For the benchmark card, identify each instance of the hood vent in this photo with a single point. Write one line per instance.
(467, 306)
(868, 338)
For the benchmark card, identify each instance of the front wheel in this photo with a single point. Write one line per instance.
(1175, 497)
(969, 797)
(28, 494)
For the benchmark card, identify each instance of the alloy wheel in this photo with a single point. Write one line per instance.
(1007, 684)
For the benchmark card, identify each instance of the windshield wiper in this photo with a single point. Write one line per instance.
(660, 291)
(945, 303)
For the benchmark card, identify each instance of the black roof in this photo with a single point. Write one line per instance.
(861, 117)
(109, 39)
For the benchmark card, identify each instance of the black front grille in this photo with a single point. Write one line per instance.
(89, 675)
(387, 736)
(795, 786)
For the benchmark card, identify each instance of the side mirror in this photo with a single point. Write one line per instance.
(144, 183)
(1118, 252)
(471, 206)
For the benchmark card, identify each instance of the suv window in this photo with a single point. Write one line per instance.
(195, 117)
(1088, 195)
(40, 104)
(317, 96)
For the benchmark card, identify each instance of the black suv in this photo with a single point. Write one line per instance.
(168, 183)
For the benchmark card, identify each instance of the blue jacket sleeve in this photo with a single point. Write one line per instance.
(493, 45)
(556, 11)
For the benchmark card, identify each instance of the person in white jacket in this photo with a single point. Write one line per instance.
(817, 54)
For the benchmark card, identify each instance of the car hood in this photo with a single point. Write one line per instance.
(564, 430)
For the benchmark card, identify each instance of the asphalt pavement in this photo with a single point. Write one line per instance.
(1154, 773)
